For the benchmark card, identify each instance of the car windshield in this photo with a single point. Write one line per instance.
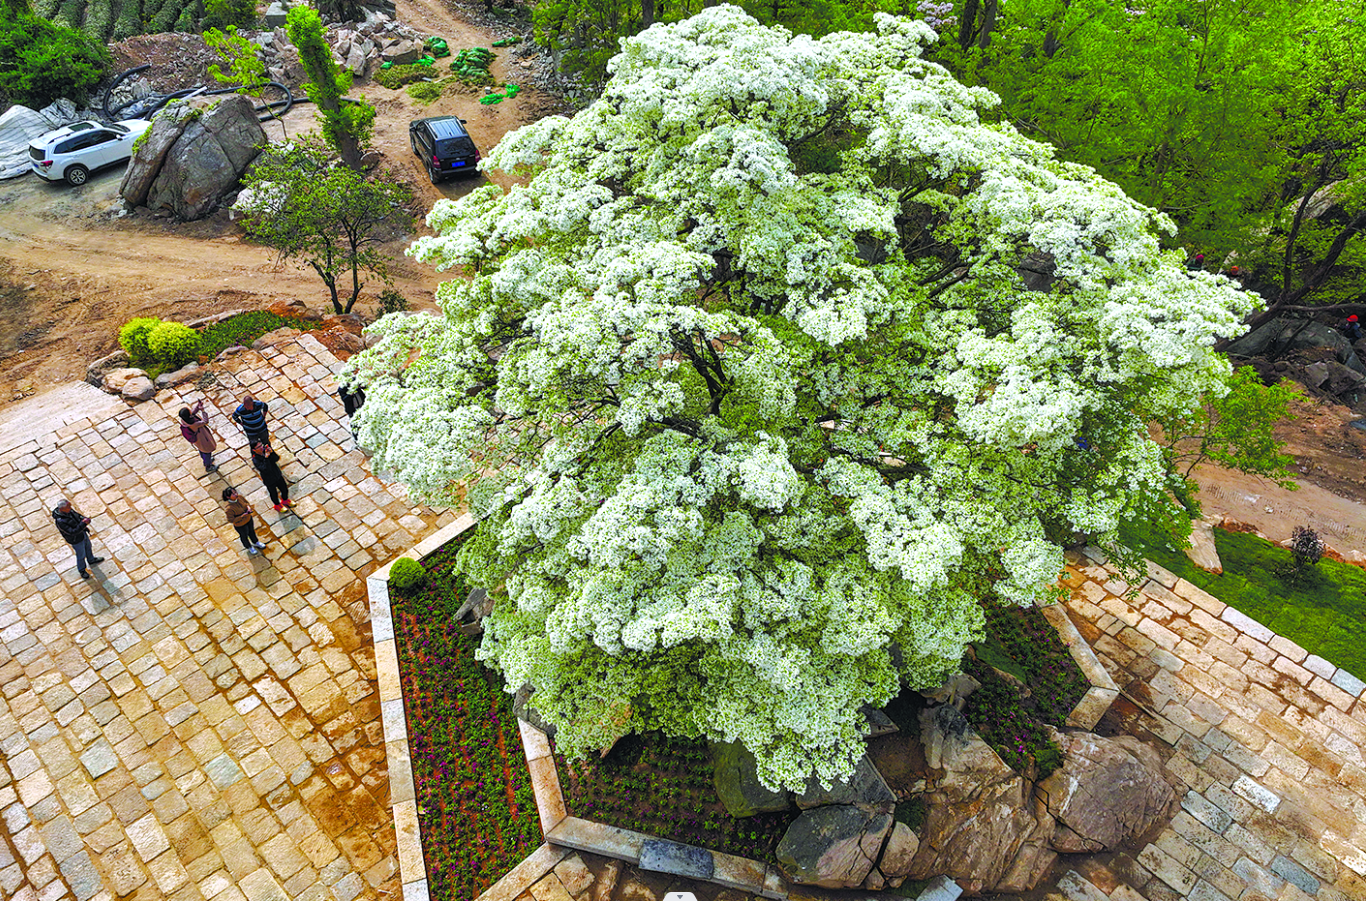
(453, 145)
(118, 129)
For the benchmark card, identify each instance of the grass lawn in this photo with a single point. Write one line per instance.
(1324, 613)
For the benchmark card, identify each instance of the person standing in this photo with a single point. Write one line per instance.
(267, 463)
(194, 428)
(352, 399)
(75, 528)
(251, 416)
(239, 514)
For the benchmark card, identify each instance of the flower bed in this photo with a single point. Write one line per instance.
(1024, 645)
(475, 803)
(663, 787)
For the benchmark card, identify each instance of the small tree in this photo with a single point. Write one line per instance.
(327, 217)
(1235, 430)
(346, 124)
(246, 67)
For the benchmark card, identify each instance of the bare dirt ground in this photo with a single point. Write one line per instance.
(72, 271)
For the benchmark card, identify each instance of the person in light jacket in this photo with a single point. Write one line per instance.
(194, 428)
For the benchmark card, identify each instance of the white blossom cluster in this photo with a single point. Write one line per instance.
(778, 364)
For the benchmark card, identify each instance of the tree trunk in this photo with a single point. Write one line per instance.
(647, 14)
(967, 24)
(988, 24)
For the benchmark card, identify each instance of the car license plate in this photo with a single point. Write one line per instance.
(457, 165)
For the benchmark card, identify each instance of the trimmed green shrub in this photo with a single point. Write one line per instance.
(396, 77)
(426, 91)
(405, 573)
(173, 344)
(245, 328)
(133, 337)
(390, 301)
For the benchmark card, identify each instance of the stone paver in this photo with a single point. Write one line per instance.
(195, 723)
(1268, 742)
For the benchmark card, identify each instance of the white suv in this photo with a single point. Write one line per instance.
(73, 152)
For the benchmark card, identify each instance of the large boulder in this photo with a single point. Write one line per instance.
(897, 856)
(865, 787)
(834, 846)
(982, 827)
(1108, 792)
(193, 155)
(737, 783)
(1282, 335)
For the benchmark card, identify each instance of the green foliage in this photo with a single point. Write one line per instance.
(228, 14)
(345, 123)
(329, 218)
(665, 787)
(1236, 431)
(41, 61)
(426, 91)
(405, 573)
(245, 328)
(396, 77)
(997, 712)
(1213, 111)
(133, 338)
(172, 344)
(390, 301)
(1324, 613)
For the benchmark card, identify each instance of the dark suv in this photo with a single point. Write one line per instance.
(444, 146)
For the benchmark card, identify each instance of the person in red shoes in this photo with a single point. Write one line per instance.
(267, 463)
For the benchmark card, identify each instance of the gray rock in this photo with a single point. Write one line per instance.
(1283, 335)
(1316, 374)
(833, 846)
(403, 52)
(878, 723)
(229, 352)
(955, 691)
(900, 851)
(1108, 792)
(276, 14)
(214, 142)
(677, 859)
(356, 59)
(138, 389)
(145, 164)
(865, 787)
(738, 785)
(181, 375)
(115, 379)
(1202, 551)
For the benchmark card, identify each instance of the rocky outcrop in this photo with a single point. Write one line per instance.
(180, 376)
(865, 788)
(1108, 792)
(1202, 551)
(738, 785)
(131, 384)
(897, 856)
(1282, 335)
(834, 846)
(193, 156)
(982, 828)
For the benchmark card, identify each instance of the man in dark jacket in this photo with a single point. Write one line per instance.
(75, 528)
(251, 416)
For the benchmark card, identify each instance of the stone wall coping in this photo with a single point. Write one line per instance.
(1103, 690)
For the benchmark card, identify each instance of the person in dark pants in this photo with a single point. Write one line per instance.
(75, 528)
(194, 428)
(267, 463)
(239, 514)
(251, 416)
(351, 398)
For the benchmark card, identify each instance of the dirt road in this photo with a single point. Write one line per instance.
(72, 271)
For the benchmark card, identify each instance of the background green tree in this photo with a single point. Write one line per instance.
(346, 123)
(41, 62)
(246, 67)
(329, 218)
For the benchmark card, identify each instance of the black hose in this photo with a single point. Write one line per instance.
(152, 103)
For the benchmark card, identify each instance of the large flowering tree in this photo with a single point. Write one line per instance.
(776, 366)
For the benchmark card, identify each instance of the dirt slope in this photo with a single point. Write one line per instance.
(71, 272)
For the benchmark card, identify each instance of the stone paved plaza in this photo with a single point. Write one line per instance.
(1267, 741)
(195, 723)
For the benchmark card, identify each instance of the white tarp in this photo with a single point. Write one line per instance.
(18, 126)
